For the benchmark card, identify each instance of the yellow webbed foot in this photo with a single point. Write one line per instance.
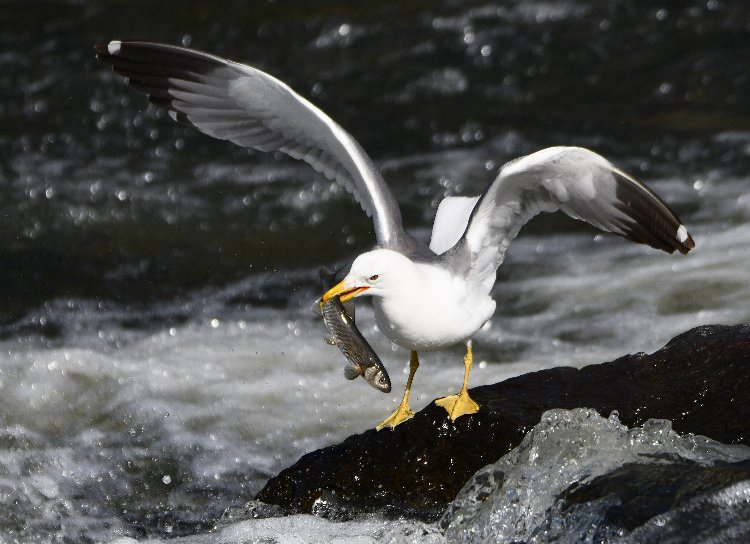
(458, 405)
(461, 404)
(401, 414)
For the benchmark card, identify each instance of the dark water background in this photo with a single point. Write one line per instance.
(121, 230)
(106, 199)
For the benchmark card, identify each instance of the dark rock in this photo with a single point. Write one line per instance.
(644, 491)
(579, 477)
(699, 380)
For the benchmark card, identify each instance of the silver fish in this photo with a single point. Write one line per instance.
(344, 334)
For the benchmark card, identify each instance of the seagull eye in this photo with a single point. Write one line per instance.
(373, 277)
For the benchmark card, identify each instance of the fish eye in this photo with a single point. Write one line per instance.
(374, 277)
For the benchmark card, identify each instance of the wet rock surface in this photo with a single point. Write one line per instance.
(699, 381)
(579, 477)
(646, 492)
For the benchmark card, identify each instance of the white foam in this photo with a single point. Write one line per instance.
(306, 529)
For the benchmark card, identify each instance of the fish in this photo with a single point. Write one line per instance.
(344, 334)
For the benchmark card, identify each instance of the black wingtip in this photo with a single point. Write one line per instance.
(649, 220)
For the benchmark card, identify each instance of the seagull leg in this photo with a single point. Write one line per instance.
(458, 405)
(403, 412)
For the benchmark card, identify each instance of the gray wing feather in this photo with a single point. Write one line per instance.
(235, 102)
(577, 181)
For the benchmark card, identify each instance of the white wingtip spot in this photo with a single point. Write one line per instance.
(682, 234)
(113, 48)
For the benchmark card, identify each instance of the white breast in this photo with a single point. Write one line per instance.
(433, 310)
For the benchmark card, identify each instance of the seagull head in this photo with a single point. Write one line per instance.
(374, 273)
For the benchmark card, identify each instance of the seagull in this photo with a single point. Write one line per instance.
(426, 297)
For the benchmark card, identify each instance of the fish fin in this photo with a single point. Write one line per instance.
(328, 339)
(351, 372)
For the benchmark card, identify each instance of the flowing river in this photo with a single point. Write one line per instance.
(159, 357)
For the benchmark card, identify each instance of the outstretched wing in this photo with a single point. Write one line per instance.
(577, 181)
(235, 102)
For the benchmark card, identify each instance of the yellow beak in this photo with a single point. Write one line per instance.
(342, 292)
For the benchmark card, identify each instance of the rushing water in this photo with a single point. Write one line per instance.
(158, 356)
